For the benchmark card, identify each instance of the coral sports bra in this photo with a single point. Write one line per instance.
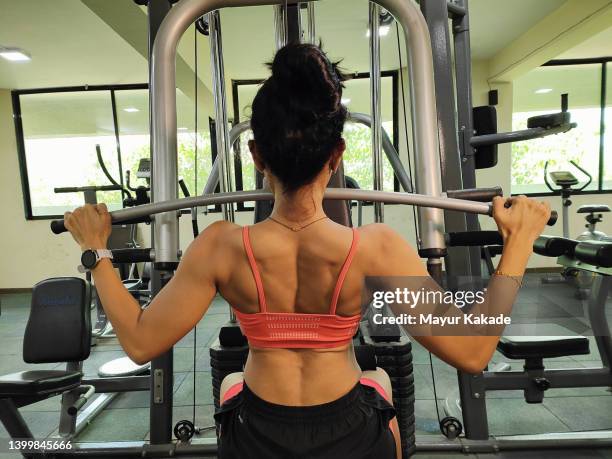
(297, 330)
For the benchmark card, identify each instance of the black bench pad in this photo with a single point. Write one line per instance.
(38, 382)
(553, 341)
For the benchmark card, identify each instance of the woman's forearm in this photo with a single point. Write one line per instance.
(515, 256)
(120, 306)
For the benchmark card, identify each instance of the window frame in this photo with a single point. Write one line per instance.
(603, 61)
(21, 150)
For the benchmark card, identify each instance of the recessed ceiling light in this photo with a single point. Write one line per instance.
(14, 54)
(345, 101)
(543, 90)
(131, 110)
(383, 31)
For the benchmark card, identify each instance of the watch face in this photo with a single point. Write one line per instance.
(88, 259)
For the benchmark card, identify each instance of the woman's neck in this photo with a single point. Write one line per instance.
(300, 206)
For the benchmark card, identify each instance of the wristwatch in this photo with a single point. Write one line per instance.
(91, 257)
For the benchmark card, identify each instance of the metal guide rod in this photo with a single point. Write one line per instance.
(312, 27)
(280, 25)
(221, 125)
(163, 112)
(377, 165)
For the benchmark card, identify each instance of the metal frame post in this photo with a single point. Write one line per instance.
(312, 26)
(465, 124)
(164, 230)
(294, 23)
(280, 26)
(221, 123)
(436, 15)
(375, 90)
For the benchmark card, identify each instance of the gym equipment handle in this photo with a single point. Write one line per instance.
(131, 255)
(57, 226)
(79, 189)
(547, 246)
(595, 253)
(473, 238)
(133, 214)
(476, 194)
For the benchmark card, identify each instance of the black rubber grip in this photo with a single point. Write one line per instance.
(131, 255)
(57, 226)
(476, 194)
(595, 253)
(473, 238)
(551, 246)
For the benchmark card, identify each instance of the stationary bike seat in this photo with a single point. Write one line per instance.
(593, 208)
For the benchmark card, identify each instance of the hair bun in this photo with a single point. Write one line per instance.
(304, 73)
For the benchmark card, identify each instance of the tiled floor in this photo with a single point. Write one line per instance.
(126, 418)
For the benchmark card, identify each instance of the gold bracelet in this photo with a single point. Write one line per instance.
(514, 278)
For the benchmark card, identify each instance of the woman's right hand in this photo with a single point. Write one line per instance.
(520, 217)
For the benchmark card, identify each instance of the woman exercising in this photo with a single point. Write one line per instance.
(295, 282)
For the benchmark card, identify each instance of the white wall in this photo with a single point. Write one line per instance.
(29, 252)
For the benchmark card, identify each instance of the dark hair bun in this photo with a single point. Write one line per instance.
(297, 114)
(304, 72)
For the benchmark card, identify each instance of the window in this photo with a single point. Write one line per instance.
(539, 92)
(62, 129)
(358, 155)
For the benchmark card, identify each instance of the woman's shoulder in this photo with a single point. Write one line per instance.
(376, 233)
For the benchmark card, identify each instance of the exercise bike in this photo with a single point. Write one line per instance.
(566, 185)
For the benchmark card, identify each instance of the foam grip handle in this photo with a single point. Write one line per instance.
(551, 246)
(57, 226)
(473, 238)
(595, 253)
(131, 255)
(476, 194)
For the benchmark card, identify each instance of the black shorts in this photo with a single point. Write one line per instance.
(355, 426)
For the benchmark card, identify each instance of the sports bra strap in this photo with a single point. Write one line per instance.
(343, 272)
(258, 283)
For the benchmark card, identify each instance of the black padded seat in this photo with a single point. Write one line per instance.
(593, 208)
(38, 382)
(552, 341)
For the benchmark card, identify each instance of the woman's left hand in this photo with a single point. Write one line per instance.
(89, 225)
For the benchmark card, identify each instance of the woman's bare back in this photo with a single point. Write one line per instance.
(299, 271)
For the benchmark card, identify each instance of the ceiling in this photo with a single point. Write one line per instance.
(71, 45)
(496, 23)
(599, 45)
(581, 82)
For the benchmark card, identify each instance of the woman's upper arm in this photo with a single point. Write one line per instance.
(394, 259)
(184, 300)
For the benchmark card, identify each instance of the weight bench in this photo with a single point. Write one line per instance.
(58, 330)
(552, 342)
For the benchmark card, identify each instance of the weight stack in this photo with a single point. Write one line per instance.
(395, 357)
(228, 354)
